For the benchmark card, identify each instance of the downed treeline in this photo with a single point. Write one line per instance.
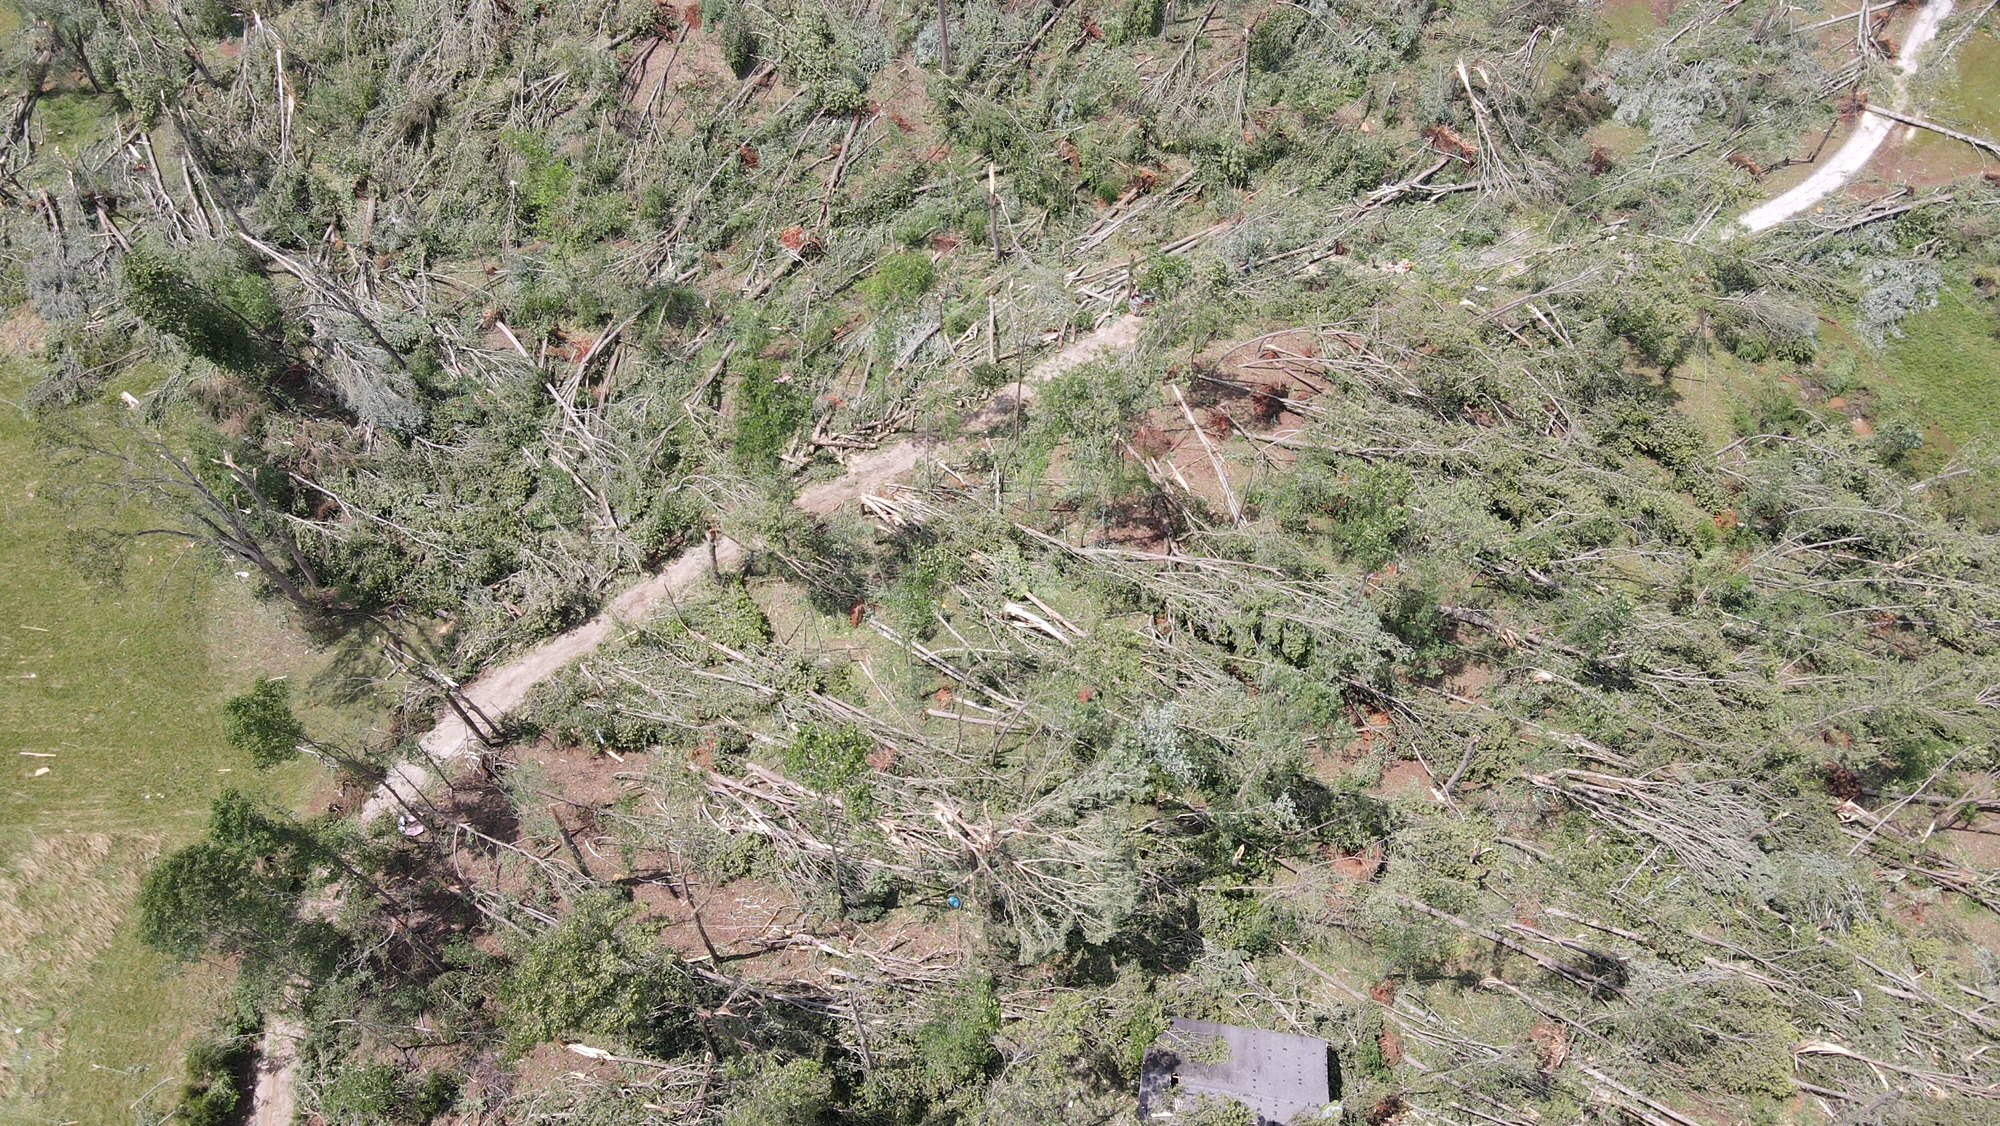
(1376, 651)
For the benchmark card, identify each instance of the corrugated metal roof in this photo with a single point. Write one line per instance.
(1277, 1075)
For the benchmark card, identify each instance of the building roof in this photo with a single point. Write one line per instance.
(1278, 1076)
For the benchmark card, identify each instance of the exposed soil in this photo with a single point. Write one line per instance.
(274, 1098)
(1403, 779)
(23, 333)
(1869, 135)
(1357, 868)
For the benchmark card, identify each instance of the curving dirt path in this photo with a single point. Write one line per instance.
(1860, 148)
(274, 1099)
(502, 689)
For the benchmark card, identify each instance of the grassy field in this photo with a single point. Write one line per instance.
(1948, 364)
(1629, 22)
(1966, 97)
(111, 740)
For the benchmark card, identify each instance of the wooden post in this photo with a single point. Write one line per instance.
(993, 207)
(1243, 84)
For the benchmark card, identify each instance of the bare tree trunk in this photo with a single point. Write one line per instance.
(228, 530)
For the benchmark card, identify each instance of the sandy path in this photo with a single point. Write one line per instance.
(1860, 148)
(501, 690)
(274, 1100)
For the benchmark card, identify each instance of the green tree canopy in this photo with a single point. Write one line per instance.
(225, 314)
(260, 723)
(587, 976)
(207, 898)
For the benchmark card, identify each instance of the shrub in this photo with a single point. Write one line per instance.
(769, 410)
(362, 1096)
(1235, 919)
(899, 280)
(545, 180)
(436, 1095)
(1410, 612)
(1212, 1110)
(828, 758)
(739, 43)
(1363, 511)
(1141, 19)
(1891, 292)
(1656, 309)
(212, 1091)
(260, 723)
(587, 976)
(818, 60)
(793, 1093)
(957, 1041)
(218, 309)
(918, 594)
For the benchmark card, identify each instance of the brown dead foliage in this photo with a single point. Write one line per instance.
(1446, 140)
(1842, 783)
(1551, 1044)
(1152, 441)
(1388, 1110)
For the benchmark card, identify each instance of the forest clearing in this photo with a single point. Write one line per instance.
(839, 562)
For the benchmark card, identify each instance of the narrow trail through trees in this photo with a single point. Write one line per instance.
(274, 1097)
(1873, 129)
(501, 690)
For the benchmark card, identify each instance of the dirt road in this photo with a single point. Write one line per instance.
(501, 690)
(1868, 136)
(274, 1098)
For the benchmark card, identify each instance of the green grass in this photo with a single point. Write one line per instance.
(1708, 385)
(1628, 23)
(1947, 364)
(122, 690)
(72, 122)
(1967, 98)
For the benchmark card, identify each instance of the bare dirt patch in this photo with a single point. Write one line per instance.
(1404, 779)
(1357, 868)
(666, 73)
(274, 1088)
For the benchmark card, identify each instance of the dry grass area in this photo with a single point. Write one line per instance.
(110, 750)
(61, 899)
